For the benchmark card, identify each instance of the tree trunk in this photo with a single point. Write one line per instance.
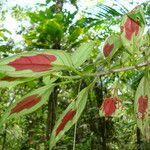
(52, 103)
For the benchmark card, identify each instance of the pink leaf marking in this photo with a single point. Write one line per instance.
(37, 63)
(107, 49)
(68, 116)
(109, 106)
(130, 28)
(26, 103)
(142, 106)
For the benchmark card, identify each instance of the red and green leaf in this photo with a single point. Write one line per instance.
(111, 46)
(137, 15)
(35, 64)
(132, 28)
(69, 117)
(28, 103)
(109, 106)
(9, 82)
(142, 104)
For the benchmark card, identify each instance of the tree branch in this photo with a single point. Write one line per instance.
(147, 63)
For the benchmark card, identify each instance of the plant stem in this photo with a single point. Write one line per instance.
(75, 127)
(144, 64)
(74, 139)
(147, 63)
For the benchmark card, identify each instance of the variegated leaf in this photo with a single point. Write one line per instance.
(28, 103)
(110, 106)
(10, 82)
(69, 117)
(35, 64)
(132, 28)
(142, 105)
(111, 46)
(137, 15)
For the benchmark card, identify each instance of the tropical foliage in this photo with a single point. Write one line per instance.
(70, 75)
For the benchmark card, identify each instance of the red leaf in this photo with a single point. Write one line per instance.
(26, 103)
(142, 106)
(109, 105)
(107, 49)
(130, 28)
(37, 63)
(69, 115)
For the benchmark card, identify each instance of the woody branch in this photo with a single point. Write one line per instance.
(147, 63)
(143, 64)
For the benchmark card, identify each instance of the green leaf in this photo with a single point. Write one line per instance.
(69, 117)
(82, 54)
(143, 90)
(28, 103)
(53, 28)
(75, 34)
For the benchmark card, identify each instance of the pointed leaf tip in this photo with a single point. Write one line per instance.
(137, 14)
